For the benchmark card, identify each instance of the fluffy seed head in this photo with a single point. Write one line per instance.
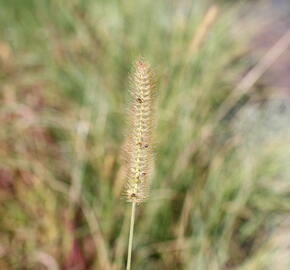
(139, 141)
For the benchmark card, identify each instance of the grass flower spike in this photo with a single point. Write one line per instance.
(139, 141)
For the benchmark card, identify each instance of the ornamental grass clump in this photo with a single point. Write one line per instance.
(139, 142)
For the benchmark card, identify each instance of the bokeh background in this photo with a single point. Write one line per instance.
(220, 196)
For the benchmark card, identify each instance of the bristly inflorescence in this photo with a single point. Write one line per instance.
(139, 141)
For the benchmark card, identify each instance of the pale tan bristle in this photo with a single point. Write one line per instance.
(139, 141)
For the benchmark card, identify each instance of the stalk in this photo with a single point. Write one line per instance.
(131, 236)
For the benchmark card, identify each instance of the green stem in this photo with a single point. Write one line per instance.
(131, 235)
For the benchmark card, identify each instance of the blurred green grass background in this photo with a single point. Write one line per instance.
(219, 198)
